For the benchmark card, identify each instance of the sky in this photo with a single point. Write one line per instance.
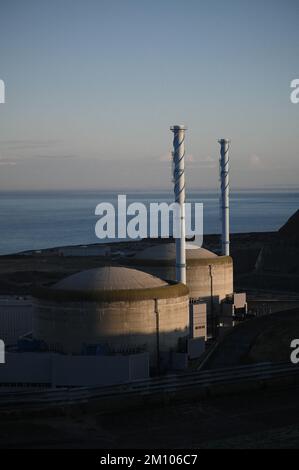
(93, 86)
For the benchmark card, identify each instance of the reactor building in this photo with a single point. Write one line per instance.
(116, 310)
(208, 276)
(111, 324)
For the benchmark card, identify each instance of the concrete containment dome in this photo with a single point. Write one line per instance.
(109, 278)
(209, 276)
(115, 309)
(167, 252)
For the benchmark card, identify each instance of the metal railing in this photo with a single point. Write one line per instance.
(159, 385)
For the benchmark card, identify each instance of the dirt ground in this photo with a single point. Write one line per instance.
(268, 419)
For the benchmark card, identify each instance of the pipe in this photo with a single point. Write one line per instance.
(224, 177)
(157, 334)
(213, 320)
(179, 191)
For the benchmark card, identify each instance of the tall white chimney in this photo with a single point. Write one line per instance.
(179, 191)
(224, 178)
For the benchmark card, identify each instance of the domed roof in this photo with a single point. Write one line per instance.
(111, 284)
(167, 251)
(109, 278)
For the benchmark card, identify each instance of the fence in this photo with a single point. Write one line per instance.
(146, 388)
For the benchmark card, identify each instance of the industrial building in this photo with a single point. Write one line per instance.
(114, 310)
(208, 276)
(48, 369)
(84, 250)
(152, 314)
(15, 318)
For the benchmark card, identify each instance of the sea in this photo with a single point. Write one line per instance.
(33, 220)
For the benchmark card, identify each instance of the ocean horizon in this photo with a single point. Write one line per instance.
(32, 220)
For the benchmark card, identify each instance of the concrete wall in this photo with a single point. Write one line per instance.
(60, 370)
(209, 284)
(126, 326)
(26, 368)
(15, 318)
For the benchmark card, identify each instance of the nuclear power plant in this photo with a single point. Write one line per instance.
(151, 314)
(209, 277)
(119, 310)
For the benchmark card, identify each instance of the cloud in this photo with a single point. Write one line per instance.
(7, 162)
(204, 162)
(255, 161)
(165, 158)
(168, 158)
(28, 144)
(192, 162)
(30, 158)
(55, 157)
(207, 159)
